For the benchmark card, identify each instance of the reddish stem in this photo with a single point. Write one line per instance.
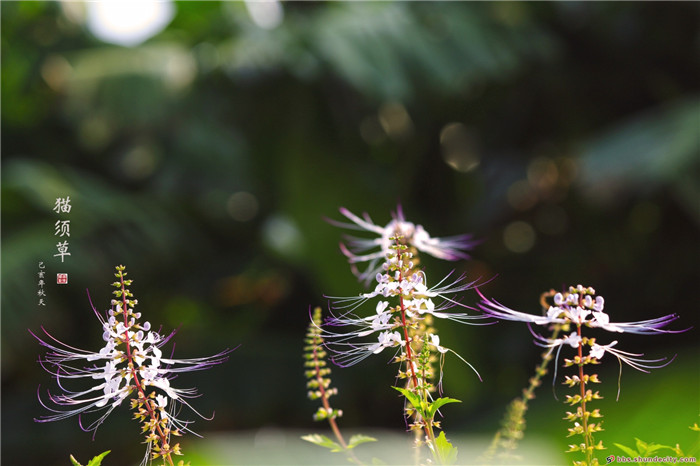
(326, 404)
(409, 352)
(584, 418)
(134, 374)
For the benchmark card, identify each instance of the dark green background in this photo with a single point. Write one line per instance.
(583, 118)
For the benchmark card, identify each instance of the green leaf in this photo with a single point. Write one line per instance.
(446, 451)
(359, 439)
(642, 446)
(628, 450)
(413, 399)
(323, 441)
(652, 448)
(97, 461)
(437, 404)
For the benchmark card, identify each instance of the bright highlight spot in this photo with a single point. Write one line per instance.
(282, 235)
(265, 14)
(128, 22)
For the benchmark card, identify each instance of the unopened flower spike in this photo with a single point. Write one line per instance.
(513, 425)
(573, 310)
(319, 385)
(130, 366)
(374, 251)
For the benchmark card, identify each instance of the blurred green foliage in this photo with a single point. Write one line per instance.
(206, 158)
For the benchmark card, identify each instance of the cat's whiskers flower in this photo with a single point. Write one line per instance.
(416, 302)
(363, 250)
(577, 308)
(130, 365)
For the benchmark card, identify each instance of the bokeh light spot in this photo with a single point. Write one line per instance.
(265, 14)
(521, 196)
(395, 120)
(282, 235)
(242, 206)
(371, 131)
(139, 162)
(542, 173)
(519, 237)
(95, 133)
(180, 70)
(128, 22)
(459, 147)
(56, 71)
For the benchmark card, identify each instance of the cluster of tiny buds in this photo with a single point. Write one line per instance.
(580, 296)
(579, 414)
(318, 371)
(149, 409)
(582, 360)
(156, 427)
(323, 413)
(587, 396)
(574, 380)
(116, 312)
(314, 383)
(399, 258)
(422, 367)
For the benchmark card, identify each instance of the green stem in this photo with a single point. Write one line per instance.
(429, 422)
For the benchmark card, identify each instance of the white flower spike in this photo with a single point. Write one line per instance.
(374, 251)
(130, 365)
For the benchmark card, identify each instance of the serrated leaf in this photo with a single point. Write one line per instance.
(97, 460)
(642, 446)
(359, 439)
(446, 451)
(413, 399)
(627, 450)
(323, 441)
(74, 462)
(437, 404)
